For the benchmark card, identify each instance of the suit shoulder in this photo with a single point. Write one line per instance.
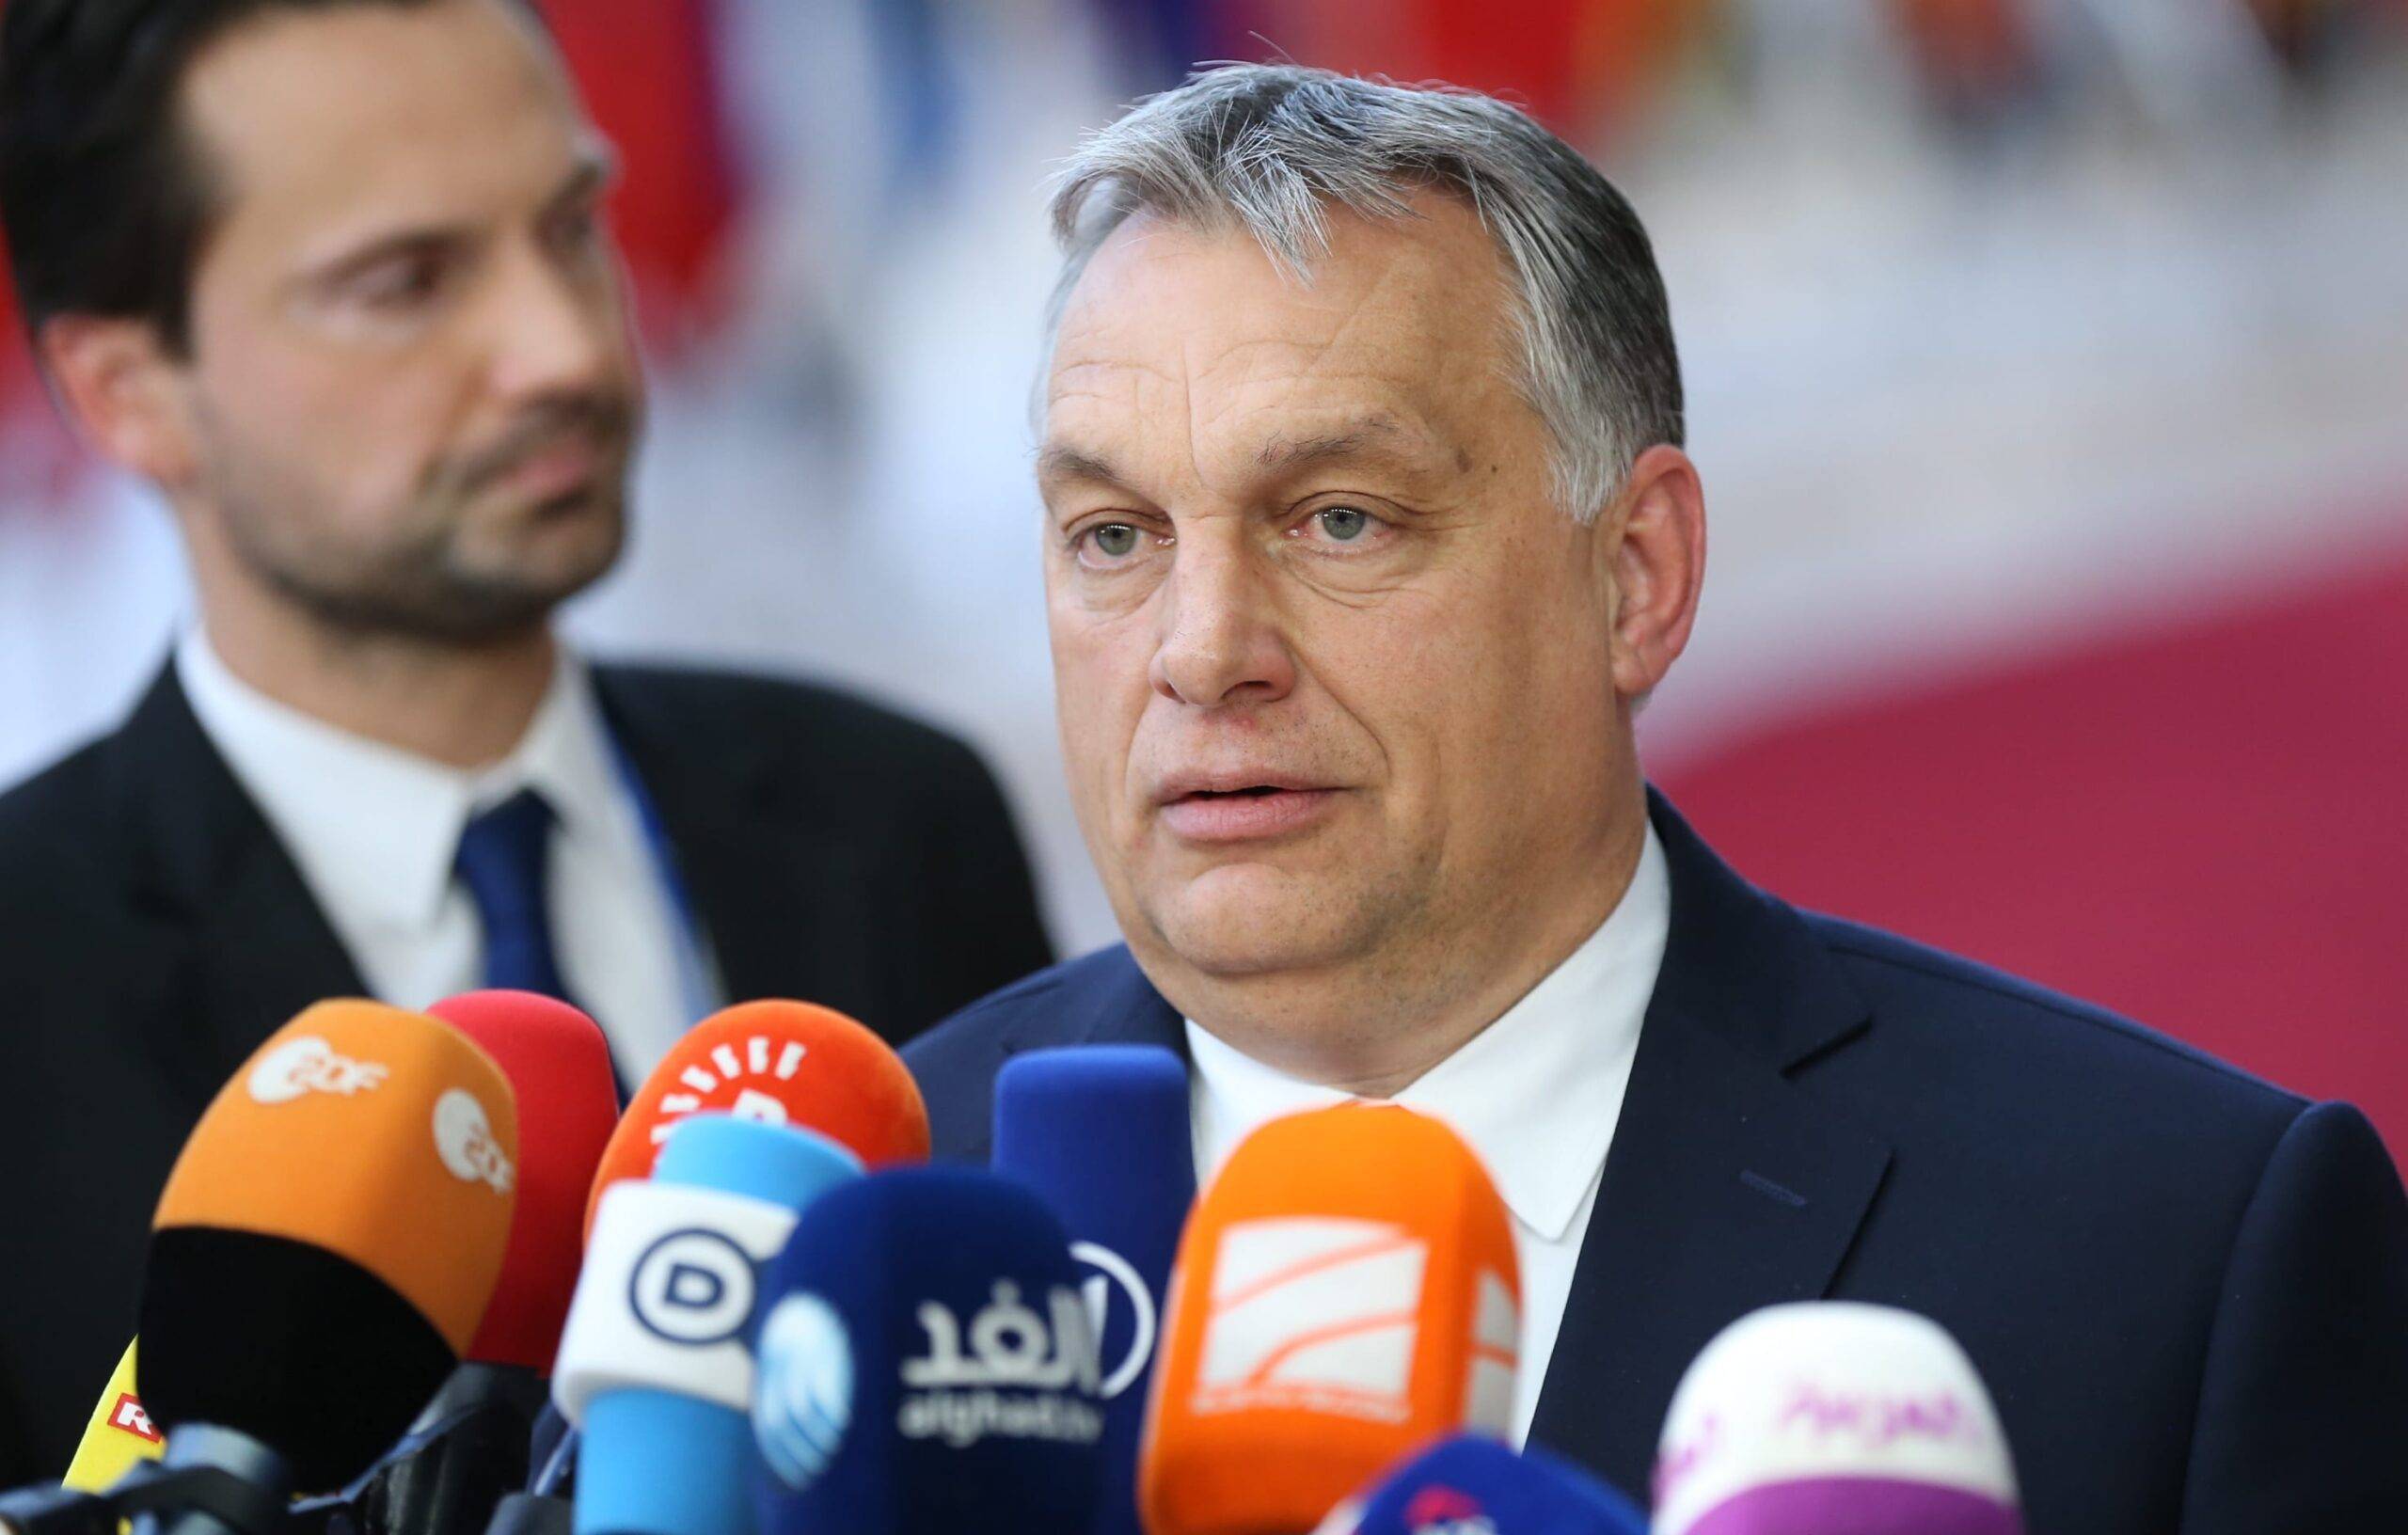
(1046, 1007)
(984, 1028)
(832, 726)
(53, 818)
(1995, 1021)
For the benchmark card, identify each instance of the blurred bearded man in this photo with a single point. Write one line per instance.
(333, 276)
(1367, 528)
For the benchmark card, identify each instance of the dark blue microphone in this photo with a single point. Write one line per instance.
(1472, 1485)
(1100, 1133)
(925, 1363)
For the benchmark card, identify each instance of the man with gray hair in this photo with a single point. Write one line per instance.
(1367, 528)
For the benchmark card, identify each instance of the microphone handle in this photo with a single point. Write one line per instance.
(452, 1484)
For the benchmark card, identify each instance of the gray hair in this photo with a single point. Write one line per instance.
(1269, 148)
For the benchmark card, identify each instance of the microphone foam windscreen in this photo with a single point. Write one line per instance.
(1100, 1132)
(1469, 1484)
(1346, 1290)
(780, 1063)
(329, 1236)
(927, 1365)
(656, 1365)
(1826, 1416)
(559, 1066)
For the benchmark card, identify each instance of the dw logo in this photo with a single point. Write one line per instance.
(802, 1401)
(693, 1288)
(1312, 1311)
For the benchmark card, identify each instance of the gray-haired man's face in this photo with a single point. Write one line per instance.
(1335, 675)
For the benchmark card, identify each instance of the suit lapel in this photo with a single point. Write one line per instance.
(1727, 1187)
(250, 945)
(775, 898)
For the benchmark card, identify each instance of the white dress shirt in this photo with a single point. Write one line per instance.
(1536, 1095)
(374, 831)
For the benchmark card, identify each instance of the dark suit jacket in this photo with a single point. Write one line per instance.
(154, 930)
(2187, 1289)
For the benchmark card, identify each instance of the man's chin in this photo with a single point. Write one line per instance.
(1251, 919)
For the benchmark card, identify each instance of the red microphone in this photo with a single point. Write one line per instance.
(473, 1436)
(559, 1064)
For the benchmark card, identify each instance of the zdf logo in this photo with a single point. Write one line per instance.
(306, 1063)
(693, 1288)
(464, 1139)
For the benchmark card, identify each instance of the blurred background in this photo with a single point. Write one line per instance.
(2048, 365)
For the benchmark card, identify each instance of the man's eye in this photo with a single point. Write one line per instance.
(1114, 540)
(402, 283)
(1343, 523)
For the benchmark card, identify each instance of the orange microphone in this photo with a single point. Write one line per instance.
(326, 1244)
(780, 1063)
(1345, 1293)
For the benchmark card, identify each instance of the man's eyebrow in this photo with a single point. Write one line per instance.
(1372, 436)
(1056, 461)
(597, 168)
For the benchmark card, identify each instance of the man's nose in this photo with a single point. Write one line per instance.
(1221, 641)
(555, 332)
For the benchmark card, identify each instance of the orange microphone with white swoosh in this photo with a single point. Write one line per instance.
(1346, 1291)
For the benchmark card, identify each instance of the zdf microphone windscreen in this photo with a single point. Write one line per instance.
(1100, 1133)
(656, 1367)
(328, 1238)
(779, 1063)
(1468, 1484)
(1345, 1291)
(926, 1365)
(559, 1066)
(1829, 1418)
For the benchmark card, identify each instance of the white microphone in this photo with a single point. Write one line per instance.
(1830, 1418)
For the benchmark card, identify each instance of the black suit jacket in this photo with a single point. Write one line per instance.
(154, 930)
(2188, 1290)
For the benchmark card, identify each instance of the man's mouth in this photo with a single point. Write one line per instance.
(1244, 812)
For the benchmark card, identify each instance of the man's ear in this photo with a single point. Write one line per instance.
(1654, 554)
(126, 395)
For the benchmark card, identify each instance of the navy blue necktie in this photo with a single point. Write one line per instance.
(503, 854)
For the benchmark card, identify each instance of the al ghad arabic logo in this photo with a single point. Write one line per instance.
(1021, 1375)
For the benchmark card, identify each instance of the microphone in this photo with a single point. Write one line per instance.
(779, 1063)
(324, 1247)
(656, 1367)
(926, 1365)
(1100, 1132)
(1468, 1484)
(118, 1436)
(1345, 1291)
(1827, 1416)
(470, 1447)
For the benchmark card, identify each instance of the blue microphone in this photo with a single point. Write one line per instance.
(1100, 1133)
(926, 1365)
(1471, 1485)
(656, 1363)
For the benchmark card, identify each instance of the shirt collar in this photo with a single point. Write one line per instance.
(1535, 1094)
(375, 828)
